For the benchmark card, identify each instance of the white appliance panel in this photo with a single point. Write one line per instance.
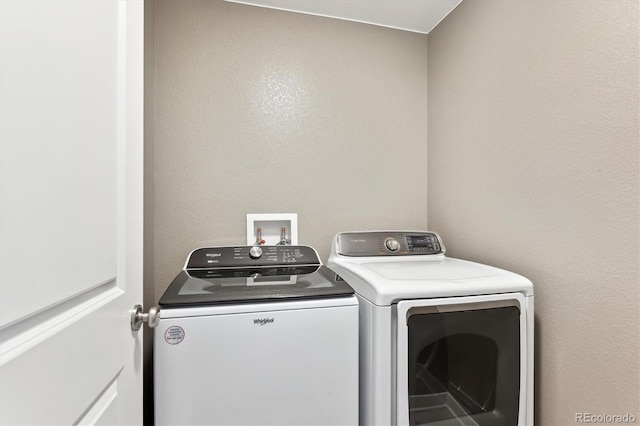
(428, 269)
(242, 308)
(301, 359)
(384, 281)
(376, 360)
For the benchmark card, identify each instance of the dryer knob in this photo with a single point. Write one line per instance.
(392, 244)
(255, 252)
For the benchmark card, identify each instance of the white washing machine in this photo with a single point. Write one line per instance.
(256, 336)
(442, 341)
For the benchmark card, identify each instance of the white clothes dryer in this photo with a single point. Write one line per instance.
(442, 341)
(256, 336)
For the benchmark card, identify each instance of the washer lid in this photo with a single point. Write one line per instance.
(220, 286)
(239, 274)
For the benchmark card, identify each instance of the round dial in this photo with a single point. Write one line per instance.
(392, 244)
(255, 252)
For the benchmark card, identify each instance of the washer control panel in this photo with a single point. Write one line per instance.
(389, 243)
(251, 256)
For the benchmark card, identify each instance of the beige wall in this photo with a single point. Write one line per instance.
(533, 166)
(265, 111)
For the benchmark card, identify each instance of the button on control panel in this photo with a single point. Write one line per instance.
(393, 243)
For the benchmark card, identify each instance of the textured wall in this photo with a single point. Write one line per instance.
(264, 111)
(533, 166)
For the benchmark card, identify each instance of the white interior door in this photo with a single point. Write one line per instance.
(70, 211)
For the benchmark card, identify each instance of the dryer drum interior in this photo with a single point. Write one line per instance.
(464, 366)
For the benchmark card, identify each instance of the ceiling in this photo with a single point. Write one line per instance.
(419, 16)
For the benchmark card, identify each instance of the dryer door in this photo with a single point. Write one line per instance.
(461, 361)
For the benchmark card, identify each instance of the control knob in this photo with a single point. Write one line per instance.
(392, 244)
(255, 252)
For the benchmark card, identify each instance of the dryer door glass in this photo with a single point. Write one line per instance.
(464, 366)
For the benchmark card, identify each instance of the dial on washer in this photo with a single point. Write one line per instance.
(255, 252)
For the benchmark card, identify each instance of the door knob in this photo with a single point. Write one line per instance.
(152, 318)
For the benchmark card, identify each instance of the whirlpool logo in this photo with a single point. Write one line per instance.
(263, 321)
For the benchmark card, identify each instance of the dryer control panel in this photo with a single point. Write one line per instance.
(389, 243)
